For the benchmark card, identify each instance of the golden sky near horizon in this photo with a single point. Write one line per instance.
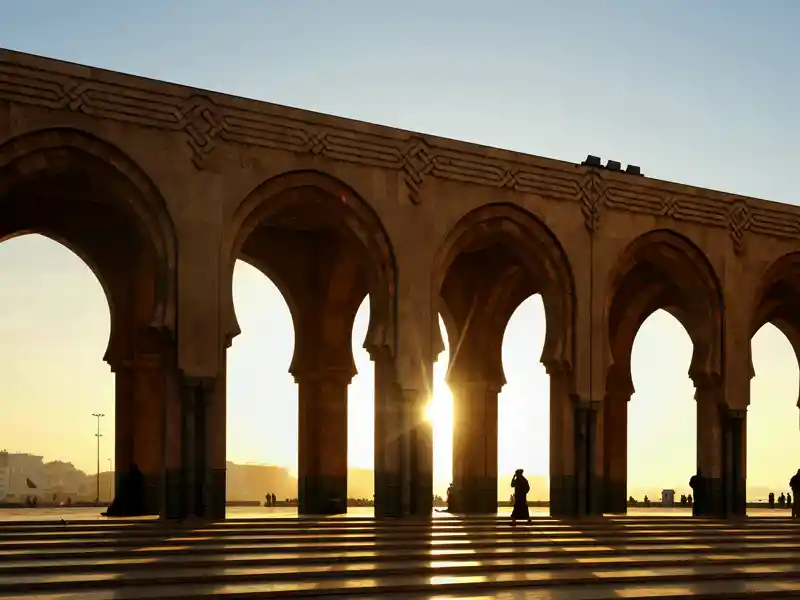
(54, 323)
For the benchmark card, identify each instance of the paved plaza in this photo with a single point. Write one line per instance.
(649, 554)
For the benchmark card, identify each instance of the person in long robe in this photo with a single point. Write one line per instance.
(450, 507)
(129, 499)
(521, 489)
(794, 485)
(697, 483)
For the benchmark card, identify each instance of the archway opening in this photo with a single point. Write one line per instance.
(524, 404)
(662, 412)
(440, 413)
(261, 395)
(361, 418)
(665, 301)
(772, 418)
(55, 325)
(494, 260)
(324, 250)
(773, 443)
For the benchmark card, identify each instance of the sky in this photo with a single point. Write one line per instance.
(703, 93)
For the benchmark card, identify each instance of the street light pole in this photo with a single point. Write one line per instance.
(98, 435)
(110, 482)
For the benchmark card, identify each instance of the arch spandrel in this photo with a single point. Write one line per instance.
(103, 170)
(546, 271)
(663, 270)
(269, 201)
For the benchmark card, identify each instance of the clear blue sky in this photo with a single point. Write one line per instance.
(698, 92)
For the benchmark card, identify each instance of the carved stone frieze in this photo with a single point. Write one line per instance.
(209, 121)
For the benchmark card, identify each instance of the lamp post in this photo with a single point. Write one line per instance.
(110, 482)
(98, 435)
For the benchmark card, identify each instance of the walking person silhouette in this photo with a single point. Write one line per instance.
(521, 489)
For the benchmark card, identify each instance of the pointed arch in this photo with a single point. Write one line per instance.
(776, 301)
(68, 165)
(547, 270)
(662, 269)
(275, 196)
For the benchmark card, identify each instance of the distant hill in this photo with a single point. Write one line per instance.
(251, 481)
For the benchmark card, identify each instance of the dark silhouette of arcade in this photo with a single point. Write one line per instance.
(161, 188)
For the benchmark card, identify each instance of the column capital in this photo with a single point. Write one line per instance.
(323, 374)
(617, 396)
(557, 367)
(139, 362)
(735, 413)
(378, 352)
(709, 391)
(465, 382)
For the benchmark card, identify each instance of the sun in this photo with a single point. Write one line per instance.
(439, 411)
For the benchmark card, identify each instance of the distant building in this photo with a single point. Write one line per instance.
(28, 476)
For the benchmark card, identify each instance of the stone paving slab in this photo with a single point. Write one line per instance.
(617, 583)
(440, 567)
(22, 515)
(366, 558)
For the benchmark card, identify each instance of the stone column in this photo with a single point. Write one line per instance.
(475, 445)
(190, 484)
(388, 437)
(419, 453)
(615, 453)
(575, 458)
(124, 412)
(709, 451)
(562, 450)
(174, 502)
(587, 479)
(148, 440)
(733, 471)
(192, 451)
(140, 395)
(216, 446)
(322, 460)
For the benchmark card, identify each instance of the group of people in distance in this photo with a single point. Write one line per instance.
(696, 482)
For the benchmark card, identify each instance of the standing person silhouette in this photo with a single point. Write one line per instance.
(521, 489)
(697, 483)
(794, 484)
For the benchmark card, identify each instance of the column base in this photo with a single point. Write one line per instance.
(712, 500)
(173, 505)
(716, 505)
(563, 496)
(615, 499)
(320, 495)
(215, 508)
(151, 504)
(594, 505)
(476, 496)
(388, 501)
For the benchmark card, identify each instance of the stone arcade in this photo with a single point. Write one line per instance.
(160, 188)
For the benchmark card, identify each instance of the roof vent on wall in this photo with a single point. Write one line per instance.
(633, 170)
(611, 165)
